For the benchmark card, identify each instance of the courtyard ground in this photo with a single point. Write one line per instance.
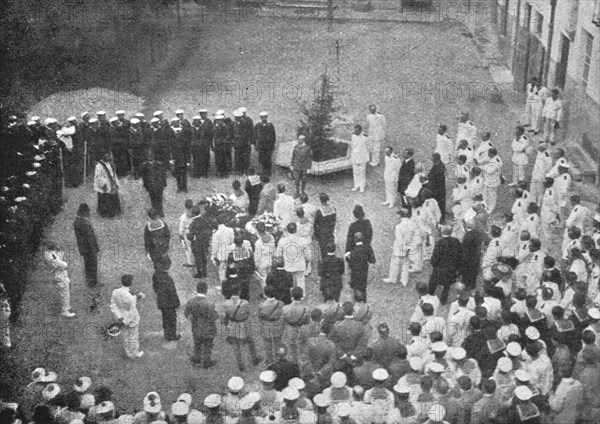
(420, 75)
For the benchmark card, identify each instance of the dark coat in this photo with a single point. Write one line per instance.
(406, 174)
(166, 293)
(331, 270)
(203, 135)
(154, 175)
(282, 281)
(265, 136)
(359, 226)
(86, 237)
(358, 261)
(445, 261)
(253, 191)
(203, 316)
(199, 234)
(285, 370)
(436, 182)
(471, 259)
(157, 241)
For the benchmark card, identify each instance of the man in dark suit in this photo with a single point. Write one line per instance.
(331, 270)
(406, 174)
(281, 281)
(203, 316)
(471, 260)
(154, 178)
(445, 261)
(264, 132)
(87, 244)
(285, 369)
(358, 260)
(436, 182)
(166, 298)
(200, 234)
(349, 337)
(202, 143)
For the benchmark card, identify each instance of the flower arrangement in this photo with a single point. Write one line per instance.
(221, 210)
(270, 221)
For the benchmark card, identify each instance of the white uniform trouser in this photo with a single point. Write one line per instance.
(416, 258)
(189, 255)
(359, 172)
(375, 150)
(536, 190)
(546, 234)
(399, 265)
(391, 188)
(63, 284)
(131, 340)
(490, 197)
(519, 173)
(300, 280)
(536, 115)
(549, 132)
(222, 271)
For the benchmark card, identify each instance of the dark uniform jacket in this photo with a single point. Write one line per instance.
(86, 237)
(358, 262)
(348, 336)
(363, 226)
(265, 136)
(156, 241)
(331, 270)
(445, 260)
(406, 174)
(154, 176)
(282, 281)
(203, 316)
(203, 135)
(164, 287)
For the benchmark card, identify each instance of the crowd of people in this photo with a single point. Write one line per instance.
(517, 343)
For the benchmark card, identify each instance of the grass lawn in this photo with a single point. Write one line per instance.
(381, 63)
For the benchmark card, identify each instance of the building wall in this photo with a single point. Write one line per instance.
(524, 52)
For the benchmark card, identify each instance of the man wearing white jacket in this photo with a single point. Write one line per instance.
(54, 256)
(390, 176)
(407, 238)
(541, 167)
(360, 157)
(376, 129)
(552, 114)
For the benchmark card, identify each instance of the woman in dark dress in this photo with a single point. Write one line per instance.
(361, 225)
(324, 225)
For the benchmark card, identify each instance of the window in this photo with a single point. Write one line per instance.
(538, 23)
(588, 39)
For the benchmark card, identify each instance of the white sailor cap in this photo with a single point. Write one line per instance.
(594, 313)
(139, 115)
(185, 397)
(84, 114)
(82, 384)
(50, 391)
(126, 419)
(267, 376)
(522, 375)
(436, 367)
(523, 393)
(505, 364)
(120, 112)
(237, 113)
(247, 403)
(564, 164)
(402, 388)
(532, 333)
(151, 396)
(243, 109)
(203, 110)
(93, 121)
(514, 349)
(436, 413)
(157, 113)
(263, 113)
(134, 121)
(31, 123)
(87, 401)
(153, 120)
(219, 117)
(439, 347)
(50, 121)
(380, 374)
(179, 112)
(175, 120)
(343, 409)
(212, 401)
(196, 118)
(459, 354)
(71, 118)
(338, 379)
(105, 407)
(297, 383)
(101, 112)
(180, 408)
(113, 119)
(290, 393)
(416, 363)
(235, 384)
(321, 400)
